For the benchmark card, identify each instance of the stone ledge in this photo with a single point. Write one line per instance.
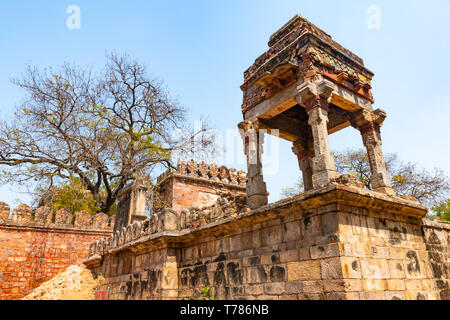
(436, 224)
(93, 261)
(337, 193)
(331, 194)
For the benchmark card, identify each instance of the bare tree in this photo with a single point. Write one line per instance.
(429, 188)
(105, 130)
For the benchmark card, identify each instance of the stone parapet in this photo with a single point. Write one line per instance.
(230, 208)
(198, 185)
(227, 207)
(336, 242)
(23, 216)
(210, 172)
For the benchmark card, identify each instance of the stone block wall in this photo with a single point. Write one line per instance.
(384, 256)
(333, 243)
(35, 245)
(271, 259)
(437, 244)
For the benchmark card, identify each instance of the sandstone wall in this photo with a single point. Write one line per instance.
(437, 242)
(196, 185)
(385, 256)
(335, 243)
(36, 245)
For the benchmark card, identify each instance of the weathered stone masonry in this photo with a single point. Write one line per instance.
(335, 241)
(36, 246)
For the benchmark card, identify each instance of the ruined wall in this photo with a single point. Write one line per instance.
(36, 245)
(197, 185)
(385, 256)
(333, 243)
(437, 242)
(264, 260)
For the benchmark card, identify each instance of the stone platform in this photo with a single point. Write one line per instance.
(337, 242)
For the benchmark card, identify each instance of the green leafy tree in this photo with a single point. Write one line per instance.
(299, 188)
(72, 196)
(104, 129)
(442, 211)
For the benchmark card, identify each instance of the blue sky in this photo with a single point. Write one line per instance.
(200, 48)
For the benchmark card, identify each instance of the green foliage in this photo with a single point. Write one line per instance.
(293, 191)
(442, 211)
(206, 294)
(72, 196)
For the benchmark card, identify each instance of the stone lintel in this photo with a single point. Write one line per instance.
(288, 128)
(275, 105)
(287, 98)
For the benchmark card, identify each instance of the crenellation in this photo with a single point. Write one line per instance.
(22, 214)
(41, 243)
(5, 210)
(44, 217)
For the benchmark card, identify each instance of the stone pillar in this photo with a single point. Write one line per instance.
(131, 205)
(314, 97)
(169, 274)
(253, 139)
(369, 123)
(324, 169)
(305, 153)
(138, 201)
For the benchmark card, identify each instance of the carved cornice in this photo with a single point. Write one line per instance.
(301, 50)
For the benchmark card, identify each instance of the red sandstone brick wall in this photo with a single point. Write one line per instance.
(190, 193)
(31, 256)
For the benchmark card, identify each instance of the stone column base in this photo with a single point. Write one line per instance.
(323, 178)
(257, 201)
(385, 190)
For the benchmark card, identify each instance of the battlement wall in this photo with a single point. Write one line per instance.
(197, 185)
(36, 245)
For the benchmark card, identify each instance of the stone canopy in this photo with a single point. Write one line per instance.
(304, 88)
